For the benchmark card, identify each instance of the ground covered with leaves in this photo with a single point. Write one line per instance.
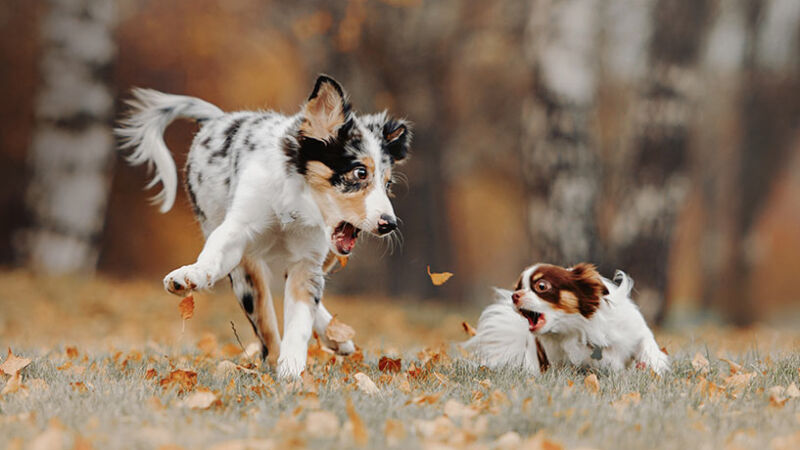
(109, 364)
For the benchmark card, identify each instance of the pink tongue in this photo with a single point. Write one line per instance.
(345, 240)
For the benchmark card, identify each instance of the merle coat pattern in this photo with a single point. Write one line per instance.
(274, 195)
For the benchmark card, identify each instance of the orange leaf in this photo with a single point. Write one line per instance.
(387, 364)
(151, 373)
(468, 329)
(339, 331)
(439, 279)
(591, 383)
(72, 352)
(342, 260)
(184, 380)
(186, 307)
(360, 434)
(13, 363)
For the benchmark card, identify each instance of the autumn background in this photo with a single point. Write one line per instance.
(660, 137)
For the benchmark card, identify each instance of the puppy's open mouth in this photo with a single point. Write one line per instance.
(344, 237)
(535, 320)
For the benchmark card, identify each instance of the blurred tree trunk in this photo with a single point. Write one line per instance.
(657, 173)
(768, 108)
(73, 144)
(561, 161)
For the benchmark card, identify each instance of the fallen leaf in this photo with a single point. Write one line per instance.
(455, 409)
(51, 438)
(184, 380)
(150, 374)
(427, 398)
(468, 329)
(72, 352)
(79, 386)
(365, 383)
(439, 279)
(208, 344)
(734, 368)
(338, 331)
(230, 350)
(342, 260)
(792, 391)
(186, 307)
(320, 424)
(395, 432)
(200, 399)
(738, 380)
(591, 383)
(37, 384)
(700, 363)
(786, 442)
(12, 385)
(390, 365)
(13, 363)
(360, 434)
(509, 440)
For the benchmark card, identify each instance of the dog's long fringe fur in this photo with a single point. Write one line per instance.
(142, 131)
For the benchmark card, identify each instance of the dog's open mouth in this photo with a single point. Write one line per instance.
(344, 237)
(535, 320)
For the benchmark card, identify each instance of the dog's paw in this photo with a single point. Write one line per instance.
(290, 368)
(187, 278)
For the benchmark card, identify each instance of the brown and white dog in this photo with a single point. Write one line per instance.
(274, 195)
(566, 316)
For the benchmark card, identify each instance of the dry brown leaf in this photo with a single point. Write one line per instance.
(395, 432)
(81, 443)
(150, 374)
(200, 399)
(591, 383)
(186, 307)
(427, 398)
(792, 391)
(320, 424)
(631, 398)
(13, 385)
(738, 380)
(338, 331)
(365, 383)
(735, 368)
(184, 380)
(700, 363)
(439, 279)
(230, 350)
(360, 434)
(390, 365)
(455, 409)
(72, 352)
(342, 260)
(468, 329)
(13, 363)
(208, 344)
(509, 440)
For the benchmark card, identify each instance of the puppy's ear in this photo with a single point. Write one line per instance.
(326, 110)
(589, 287)
(397, 138)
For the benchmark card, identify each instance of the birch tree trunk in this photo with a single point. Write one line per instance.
(73, 144)
(641, 233)
(561, 161)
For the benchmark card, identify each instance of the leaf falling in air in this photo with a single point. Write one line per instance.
(186, 307)
(468, 329)
(390, 365)
(343, 260)
(439, 279)
(13, 363)
(338, 331)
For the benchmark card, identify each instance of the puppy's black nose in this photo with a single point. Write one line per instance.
(386, 224)
(516, 296)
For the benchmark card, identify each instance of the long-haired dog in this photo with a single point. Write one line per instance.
(560, 316)
(274, 194)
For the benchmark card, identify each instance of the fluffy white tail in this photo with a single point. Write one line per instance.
(502, 337)
(143, 130)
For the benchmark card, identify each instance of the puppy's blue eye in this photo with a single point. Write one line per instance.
(360, 173)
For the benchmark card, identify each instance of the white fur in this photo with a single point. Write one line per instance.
(256, 209)
(617, 327)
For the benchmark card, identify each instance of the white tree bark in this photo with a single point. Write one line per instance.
(73, 144)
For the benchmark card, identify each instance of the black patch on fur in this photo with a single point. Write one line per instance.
(248, 279)
(230, 134)
(397, 147)
(316, 300)
(346, 107)
(192, 197)
(206, 142)
(247, 303)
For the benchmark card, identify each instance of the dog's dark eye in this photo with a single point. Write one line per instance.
(360, 173)
(388, 184)
(542, 286)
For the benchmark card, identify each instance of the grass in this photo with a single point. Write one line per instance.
(101, 348)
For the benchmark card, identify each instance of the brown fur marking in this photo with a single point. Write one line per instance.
(578, 290)
(323, 114)
(544, 363)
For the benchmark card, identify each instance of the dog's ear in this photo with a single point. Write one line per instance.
(397, 138)
(589, 287)
(326, 110)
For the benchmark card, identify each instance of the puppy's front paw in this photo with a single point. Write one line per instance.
(290, 367)
(187, 278)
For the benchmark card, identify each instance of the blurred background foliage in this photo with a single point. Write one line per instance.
(656, 136)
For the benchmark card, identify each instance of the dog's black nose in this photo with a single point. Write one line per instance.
(386, 224)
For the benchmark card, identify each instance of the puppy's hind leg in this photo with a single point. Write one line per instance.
(250, 285)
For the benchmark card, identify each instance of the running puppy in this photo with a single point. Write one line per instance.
(562, 316)
(274, 194)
